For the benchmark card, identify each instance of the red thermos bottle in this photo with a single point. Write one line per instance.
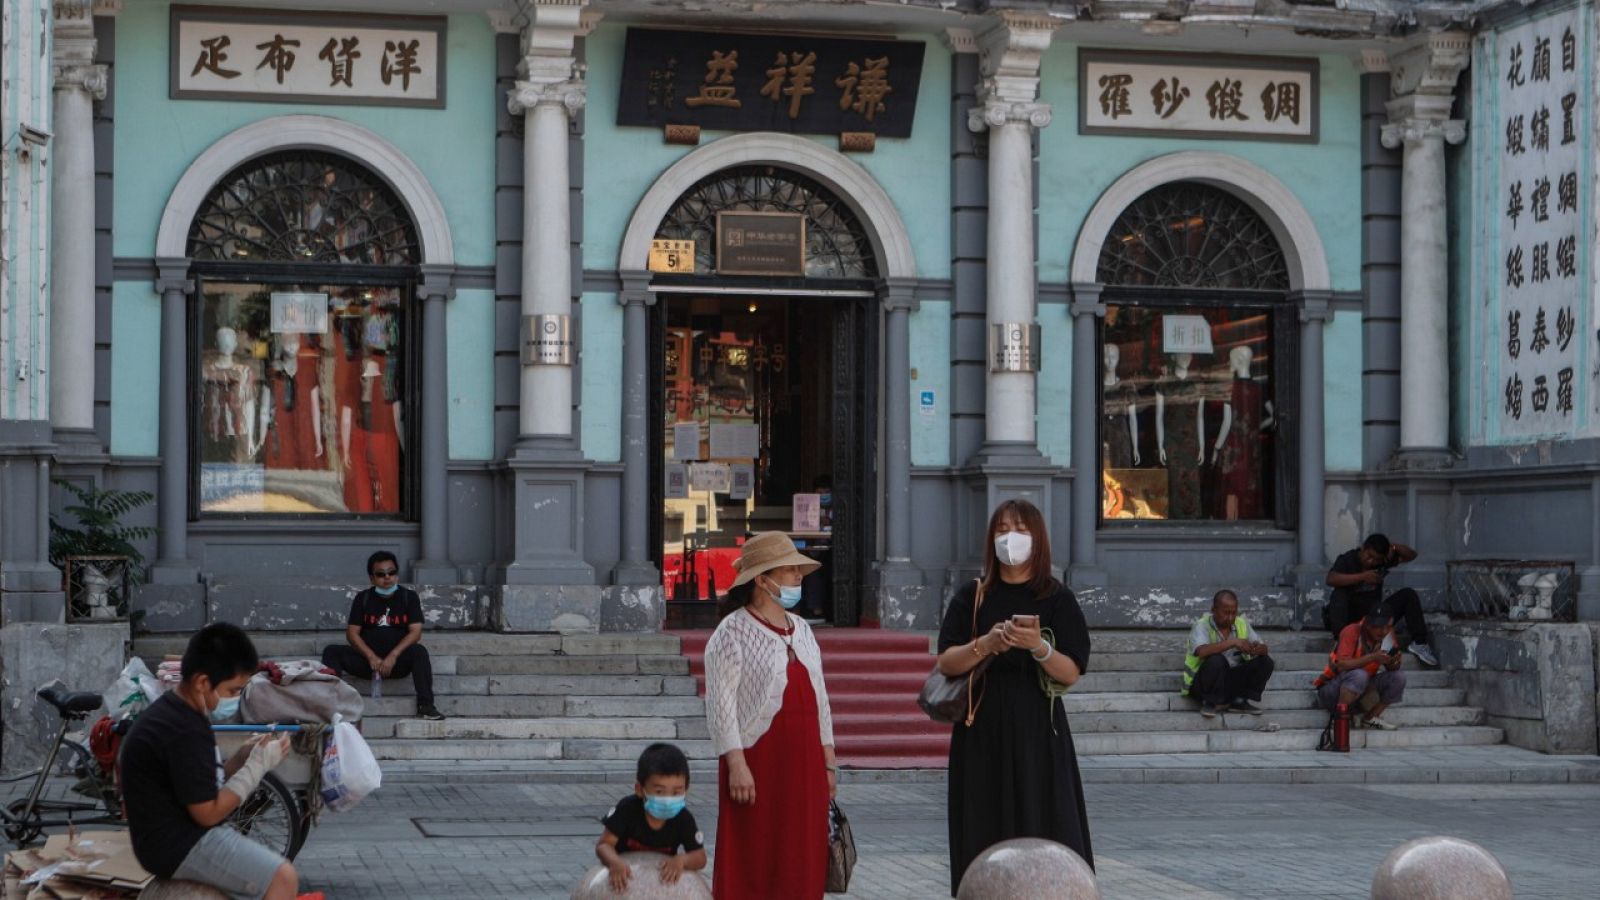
(1341, 728)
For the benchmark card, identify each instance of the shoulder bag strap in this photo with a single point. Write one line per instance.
(974, 700)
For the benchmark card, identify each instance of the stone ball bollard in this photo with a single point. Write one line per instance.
(180, 890)
(646, 883)
(1028, 867)
(1440, 868)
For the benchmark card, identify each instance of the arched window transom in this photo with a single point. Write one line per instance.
(836, 242)
(1191, 235)
(302, 206)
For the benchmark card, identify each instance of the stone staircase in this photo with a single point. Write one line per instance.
(520, 697)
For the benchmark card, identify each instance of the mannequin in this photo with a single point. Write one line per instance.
(1241, 471)
(229, 401)
(1182, 440)
(1119, 416)
(291, 408)
(369, 435)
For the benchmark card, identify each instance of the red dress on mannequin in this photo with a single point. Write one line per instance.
(291, 438)
(777, 847)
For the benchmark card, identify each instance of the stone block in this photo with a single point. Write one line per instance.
(49, 607)
(565, 609)
(694, 729)
(582, 685)
(274, 606)
(906, 607)
(548, 665)
(1537, 682)
(81, 657)
(635, 706)
(170, 607)
(590, 645)
(632, 608)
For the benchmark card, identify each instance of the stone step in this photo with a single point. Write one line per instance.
(1078, 704)
(538, 729)
(309, 644)
(539, 707)
(539, 685)
(677, 707)
(1137, 722)
(572, 748)
(1172, 640)
(695, 729)
(1096, 682)
(1172, 661)
(1109, 743)
(571, 665)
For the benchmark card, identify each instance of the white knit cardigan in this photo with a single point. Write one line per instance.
(746, 674)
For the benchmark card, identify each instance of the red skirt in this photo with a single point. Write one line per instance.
(777, 847)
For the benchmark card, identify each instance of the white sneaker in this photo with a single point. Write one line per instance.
(1424, 653)
(1381, 724)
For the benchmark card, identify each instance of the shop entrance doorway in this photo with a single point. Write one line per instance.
(764, 404)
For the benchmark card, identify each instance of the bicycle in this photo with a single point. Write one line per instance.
(271, 815)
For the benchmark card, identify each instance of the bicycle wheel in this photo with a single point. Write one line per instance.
(271, 817)
(21, 833)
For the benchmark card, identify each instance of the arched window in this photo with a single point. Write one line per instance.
(836, 243)
(1193, 353)
(304, 384)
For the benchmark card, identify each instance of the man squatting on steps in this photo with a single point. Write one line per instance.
(384, 632)
(1227, 666)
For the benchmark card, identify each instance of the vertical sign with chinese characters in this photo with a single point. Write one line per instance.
(1536, 269)
(241, 54)
(1197, 95)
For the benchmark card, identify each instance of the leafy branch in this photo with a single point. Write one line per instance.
(100, 531)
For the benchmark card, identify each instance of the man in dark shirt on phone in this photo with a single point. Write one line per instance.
(1357, 581)
(384, 634)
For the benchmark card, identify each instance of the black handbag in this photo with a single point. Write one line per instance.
(841, 850)
(951, 699)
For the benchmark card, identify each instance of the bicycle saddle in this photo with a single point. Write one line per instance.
(73, 704)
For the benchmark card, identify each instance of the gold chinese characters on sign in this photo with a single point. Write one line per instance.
(675, 256)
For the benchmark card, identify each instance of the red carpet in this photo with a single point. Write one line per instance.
(873, 677)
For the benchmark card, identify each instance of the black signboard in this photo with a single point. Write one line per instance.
(745, 82)
(761, 243)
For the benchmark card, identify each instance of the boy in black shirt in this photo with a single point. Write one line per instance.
(384, 631)
(653, 818)
(1357, 580)
(177, 788)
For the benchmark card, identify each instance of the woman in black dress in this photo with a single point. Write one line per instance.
(1013, 772)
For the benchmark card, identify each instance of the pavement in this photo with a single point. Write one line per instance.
(529, 831)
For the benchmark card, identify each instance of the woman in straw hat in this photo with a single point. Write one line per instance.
(1013, 771)
(768, 713)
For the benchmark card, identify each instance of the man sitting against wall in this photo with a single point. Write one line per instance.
(1227, 666)
(384, 634)
(1365, 668)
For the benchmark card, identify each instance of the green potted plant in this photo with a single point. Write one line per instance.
(99, 558)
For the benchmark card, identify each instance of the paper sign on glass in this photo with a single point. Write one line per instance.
(1185, 334)
(713, 477)
(676, 481)
(735, 441)
(744, 479)
(807, 512)
(686, 441)
(294, 312)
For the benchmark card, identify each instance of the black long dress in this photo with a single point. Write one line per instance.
(1011, 774)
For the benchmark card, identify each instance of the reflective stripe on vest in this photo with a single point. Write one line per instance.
(1191, 663)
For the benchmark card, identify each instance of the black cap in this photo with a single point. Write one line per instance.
(1378, 618)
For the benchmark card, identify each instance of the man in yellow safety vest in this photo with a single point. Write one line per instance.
(1225, 673)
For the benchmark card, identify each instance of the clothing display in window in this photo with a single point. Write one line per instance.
(370, 428)
(1119, 411)
(292, 437)
(228, 401)
(1241, 468)
(1188, 418)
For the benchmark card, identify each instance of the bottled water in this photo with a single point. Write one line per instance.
(377, 686)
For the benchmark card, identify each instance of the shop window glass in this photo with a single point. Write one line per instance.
(300, 399)
(1189, 419)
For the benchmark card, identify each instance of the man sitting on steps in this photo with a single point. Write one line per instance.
(384, 632)
(1226, 673)
(1357, 581)
(1366, 661)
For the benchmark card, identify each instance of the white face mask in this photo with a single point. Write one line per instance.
(1013, 548)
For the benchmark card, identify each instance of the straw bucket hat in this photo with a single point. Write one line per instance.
(766, 551)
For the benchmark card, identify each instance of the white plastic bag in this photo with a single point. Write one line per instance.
(133, 690)
(349, 770)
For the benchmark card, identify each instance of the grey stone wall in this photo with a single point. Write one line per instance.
(82, 657)
(1537, 682)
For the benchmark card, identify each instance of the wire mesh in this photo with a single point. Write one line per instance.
(1512, 590)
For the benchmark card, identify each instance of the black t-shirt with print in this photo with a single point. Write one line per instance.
(1365, 596)
(169, 761)
(385, 620)
(627, 821)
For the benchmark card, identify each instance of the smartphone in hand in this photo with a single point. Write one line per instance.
(1022, 621)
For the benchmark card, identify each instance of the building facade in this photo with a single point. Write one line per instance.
(558, 300)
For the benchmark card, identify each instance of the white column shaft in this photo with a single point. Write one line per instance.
(546, 262)
(72, 316)
(1424, 313)
(1010, 395)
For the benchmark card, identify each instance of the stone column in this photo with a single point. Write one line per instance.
(1087, 311)
(1423, 83)
(78, 84)
(1315, 309)
(898, 303)
(172, 493)
(636, 299)
(434, 565)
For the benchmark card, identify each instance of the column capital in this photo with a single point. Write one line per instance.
(1086, 300)
(995, 113)
(1430, 66)
(1314, 306)
(1009, 53)
(172, 274)
(635, 289)
(570, 95)
(1408, 130)
(898, 295)
(91, 79)
(437, 281)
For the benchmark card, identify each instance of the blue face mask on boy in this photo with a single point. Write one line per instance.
(386, 591)
(227, 708)
(665, 808)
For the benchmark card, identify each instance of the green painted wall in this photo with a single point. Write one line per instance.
(620, 164)
(1055, 383)
(601, 348)
(1341, 376)
(930, 361)
(470, 322)
(135, 368)
(25, 99)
